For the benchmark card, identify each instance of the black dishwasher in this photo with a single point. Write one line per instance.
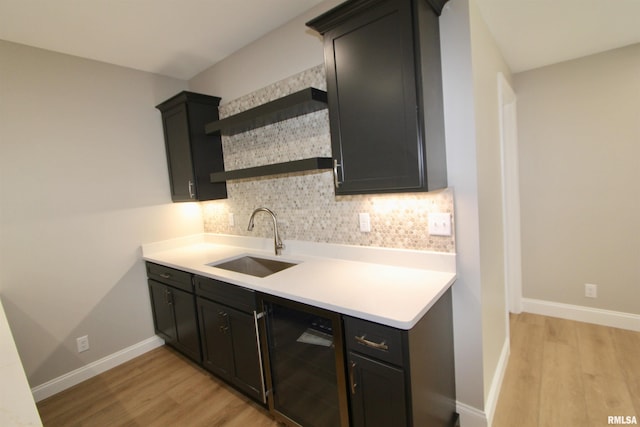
(305, 350)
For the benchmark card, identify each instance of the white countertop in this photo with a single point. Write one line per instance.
(388, 286)
(17, 407)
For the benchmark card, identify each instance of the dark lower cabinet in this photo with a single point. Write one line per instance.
(230, 346)
(399, 377)
(323, 369)
(229, 335)
(377, 393)
(212, 322)
(174, 316)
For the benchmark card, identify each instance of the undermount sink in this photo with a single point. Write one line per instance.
(254, 266)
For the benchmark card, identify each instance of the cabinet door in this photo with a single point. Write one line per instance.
(163, 320)
(247, 363)
(215, 335)
(230, 346)
(377, 393)
(179, 162)
(186, 321)
(373, 107)
(174, 318)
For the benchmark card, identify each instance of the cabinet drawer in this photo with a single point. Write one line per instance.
(234, 296)
(170, 276)
(373, 339)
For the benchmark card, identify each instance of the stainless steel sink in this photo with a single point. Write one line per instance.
(254, 266)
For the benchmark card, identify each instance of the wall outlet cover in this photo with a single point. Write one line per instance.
(82, 343)
(590, 290)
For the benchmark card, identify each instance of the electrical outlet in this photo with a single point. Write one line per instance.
(365, 222)
(82, 343)
(590, 290)
(231, 219)
(439, 224)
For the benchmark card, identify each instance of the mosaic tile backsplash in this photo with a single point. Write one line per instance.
(305, 203)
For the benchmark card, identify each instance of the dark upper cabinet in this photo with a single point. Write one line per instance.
(384, 85)
(192, 155)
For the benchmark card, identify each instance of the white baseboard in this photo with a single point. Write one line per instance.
(496, 383)
(471, 416)
(598, 316)
(76, 376)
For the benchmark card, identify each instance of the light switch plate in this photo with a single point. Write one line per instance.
(439, 224)
(365, 222)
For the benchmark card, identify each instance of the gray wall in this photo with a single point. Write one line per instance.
(282, 53)
(579, 137)
(471, 62)
(83, 182)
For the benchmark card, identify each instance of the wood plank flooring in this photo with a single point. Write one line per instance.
(567, 373)
(560, 373)
(160, 388)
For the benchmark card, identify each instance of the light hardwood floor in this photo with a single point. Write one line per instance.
(567, 373)
(160, 388)
(561, 373)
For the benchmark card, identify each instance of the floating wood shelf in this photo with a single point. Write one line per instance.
(299, 103)
(314, 163)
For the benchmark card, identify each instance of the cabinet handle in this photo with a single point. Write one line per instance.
(377, 345)
(336, 181)
(223, 318)
(168, 297)
(352, 380)
(192, 195)
(165, 275)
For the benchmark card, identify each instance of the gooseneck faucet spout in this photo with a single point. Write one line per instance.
(277, 243)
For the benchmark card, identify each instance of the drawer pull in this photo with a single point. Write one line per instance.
(377, 345)
(165, 275)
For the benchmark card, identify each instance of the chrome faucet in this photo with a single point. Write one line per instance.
(277, 243)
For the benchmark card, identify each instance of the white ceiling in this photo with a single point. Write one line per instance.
(177, 38)
(181, 38)
(534, 33)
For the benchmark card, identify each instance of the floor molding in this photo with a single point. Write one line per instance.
(496, 383)
(76, 376)
(616, 319)
(471, 416)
